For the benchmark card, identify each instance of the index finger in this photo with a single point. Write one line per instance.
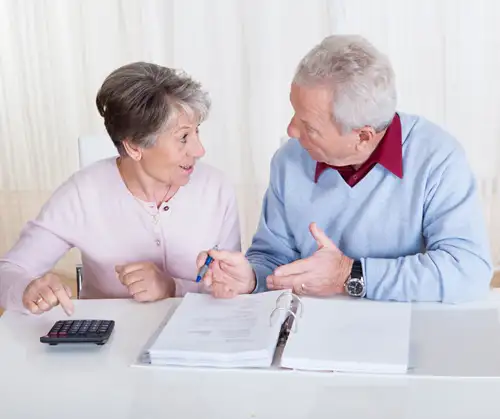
(64, 299)
(280, 282)
(200, 260)
(225, 256)
(298, 267)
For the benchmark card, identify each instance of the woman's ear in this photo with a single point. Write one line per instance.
(133, 150)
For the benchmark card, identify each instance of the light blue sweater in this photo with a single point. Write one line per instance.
(420, 238)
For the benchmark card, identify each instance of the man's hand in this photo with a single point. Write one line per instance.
(145, 282)
(46, 292)
(322, 274)
(229, 274)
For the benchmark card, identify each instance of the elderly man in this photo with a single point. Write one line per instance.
(362, 200)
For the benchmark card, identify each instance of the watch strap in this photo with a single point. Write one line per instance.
(357, 269)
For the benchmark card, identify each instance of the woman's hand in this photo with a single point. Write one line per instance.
(46, 292)
(145, 281)
(229, 274)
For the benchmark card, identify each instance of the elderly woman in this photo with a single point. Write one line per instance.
(139, 219)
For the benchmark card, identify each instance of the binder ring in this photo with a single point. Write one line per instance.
(295, 326)
(300, 306)
(287, 293)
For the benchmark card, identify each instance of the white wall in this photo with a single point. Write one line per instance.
(54, 54)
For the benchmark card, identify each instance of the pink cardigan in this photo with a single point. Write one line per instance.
(95, 212)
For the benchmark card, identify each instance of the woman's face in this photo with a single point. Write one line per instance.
(171, 160)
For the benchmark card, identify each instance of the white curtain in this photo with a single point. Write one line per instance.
(54, 54)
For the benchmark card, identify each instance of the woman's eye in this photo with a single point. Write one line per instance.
(184, 139)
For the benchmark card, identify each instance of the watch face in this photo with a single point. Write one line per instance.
(355, 288)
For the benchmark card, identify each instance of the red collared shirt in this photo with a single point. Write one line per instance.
(389, 153)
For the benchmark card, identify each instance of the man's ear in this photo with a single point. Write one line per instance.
(366, 135)
(133, 150)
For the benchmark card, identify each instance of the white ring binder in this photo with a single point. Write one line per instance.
(293, 299)
(299, 305)
(287, 293)
(295, 326)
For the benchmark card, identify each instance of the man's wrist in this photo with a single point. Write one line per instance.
(345, 271)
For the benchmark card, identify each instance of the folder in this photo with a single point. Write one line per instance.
(320, 334)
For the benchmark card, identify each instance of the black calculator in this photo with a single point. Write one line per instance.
(79, 331)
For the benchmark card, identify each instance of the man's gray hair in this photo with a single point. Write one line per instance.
(361, 78)
(140, 100)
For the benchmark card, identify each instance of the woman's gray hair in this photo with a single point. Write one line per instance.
(361, 78)
(140, 100)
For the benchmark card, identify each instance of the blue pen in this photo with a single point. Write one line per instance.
(204, 268)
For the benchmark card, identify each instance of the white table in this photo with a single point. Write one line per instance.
(39, 381)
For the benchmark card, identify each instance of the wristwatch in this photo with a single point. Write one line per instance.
(355, 284)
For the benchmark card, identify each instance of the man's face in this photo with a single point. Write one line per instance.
(312, 124)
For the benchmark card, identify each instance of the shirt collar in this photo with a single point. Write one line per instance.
(389, 152)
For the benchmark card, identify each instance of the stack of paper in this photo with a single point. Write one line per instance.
(205, 331)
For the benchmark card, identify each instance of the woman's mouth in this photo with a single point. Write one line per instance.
(187, 168)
